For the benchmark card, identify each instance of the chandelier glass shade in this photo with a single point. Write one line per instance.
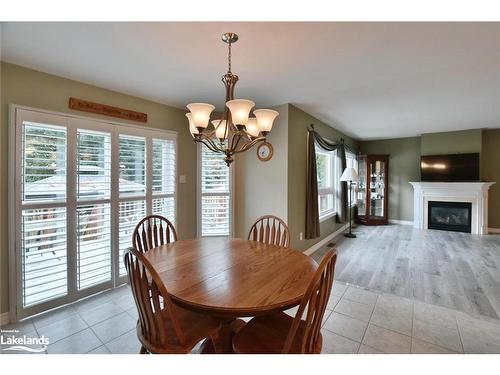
(235, 131)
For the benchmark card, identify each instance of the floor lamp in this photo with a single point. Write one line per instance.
(350, 175)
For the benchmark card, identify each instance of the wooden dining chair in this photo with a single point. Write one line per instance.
(153, 231)
(271, 230)
(280, 333)
(163, 327)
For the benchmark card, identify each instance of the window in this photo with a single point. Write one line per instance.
(164, 178)
(84, 185)
(215, 186)
(352, 162)
(329, 170)
(326, 165)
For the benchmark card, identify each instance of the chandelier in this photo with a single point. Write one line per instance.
(235, 131)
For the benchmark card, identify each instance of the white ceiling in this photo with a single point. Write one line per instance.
(370, 80)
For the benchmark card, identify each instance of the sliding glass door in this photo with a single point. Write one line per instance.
(80, 186)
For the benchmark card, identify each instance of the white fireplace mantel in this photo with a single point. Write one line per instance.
(474, 192)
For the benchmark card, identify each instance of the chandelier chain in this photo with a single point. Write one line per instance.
(229, 57)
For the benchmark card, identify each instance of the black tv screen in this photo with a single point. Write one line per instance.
(450, 168)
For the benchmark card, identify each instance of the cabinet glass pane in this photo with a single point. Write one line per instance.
(361, 190)
(377, 189)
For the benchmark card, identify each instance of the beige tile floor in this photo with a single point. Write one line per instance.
(356, 321)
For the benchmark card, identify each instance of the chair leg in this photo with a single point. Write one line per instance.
(143, 350)
(216, 343)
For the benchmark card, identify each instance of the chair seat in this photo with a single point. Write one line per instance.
(267, 334)
(194, 326)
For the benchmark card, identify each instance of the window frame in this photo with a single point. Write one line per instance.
(19, 114)
(199, 195)
(353, 156)
(333, 189)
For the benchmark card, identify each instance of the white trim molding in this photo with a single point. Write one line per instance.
(325, 240)
(4, 318)
(475, 193)
(401, 222)
(494, 230)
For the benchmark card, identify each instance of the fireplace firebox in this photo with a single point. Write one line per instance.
(454, 216)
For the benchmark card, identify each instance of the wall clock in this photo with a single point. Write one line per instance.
(265, 151)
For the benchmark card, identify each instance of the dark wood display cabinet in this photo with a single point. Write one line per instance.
(372, 191)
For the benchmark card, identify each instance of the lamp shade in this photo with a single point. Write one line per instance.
(349, 174)
(240, 110)
(265, 119)
(192, 128)
(252, 127)
(200, 113)
(220, 128)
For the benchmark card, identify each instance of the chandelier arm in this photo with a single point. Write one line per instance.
(234, 141)
(210, 144)
(206, 145)
(217, 147)
(237, 141)
(207, 133)
(249, 145)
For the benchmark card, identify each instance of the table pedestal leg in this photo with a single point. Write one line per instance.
(224, 343)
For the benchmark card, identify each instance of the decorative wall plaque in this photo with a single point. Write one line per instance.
(107, 110)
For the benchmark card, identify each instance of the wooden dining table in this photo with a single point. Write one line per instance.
(232, 278)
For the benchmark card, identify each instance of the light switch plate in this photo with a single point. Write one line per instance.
(182, 179)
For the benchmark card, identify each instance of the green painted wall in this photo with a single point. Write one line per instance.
(405, 159)
(490, 171)
(298, 121)
(404, 166)
(260, 188)
(458, 142)
(35, 89)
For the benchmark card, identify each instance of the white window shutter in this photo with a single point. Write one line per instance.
(215, 200)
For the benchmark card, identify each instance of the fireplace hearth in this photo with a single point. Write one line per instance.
(453, 216)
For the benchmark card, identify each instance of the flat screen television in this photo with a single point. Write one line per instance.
(450, 168)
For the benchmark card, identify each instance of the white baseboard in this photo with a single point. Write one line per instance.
(325, 240)
(4, 318)
(401, 222)
(494, 230)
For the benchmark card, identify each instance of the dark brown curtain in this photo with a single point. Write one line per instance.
(312, 210)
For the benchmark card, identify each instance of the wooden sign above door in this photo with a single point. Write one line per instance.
(107, 110)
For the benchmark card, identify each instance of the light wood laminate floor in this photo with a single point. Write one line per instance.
(456, 270)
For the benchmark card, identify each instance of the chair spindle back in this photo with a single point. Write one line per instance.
(153, 231)
(315, 300)
(270, 230)
(151, 299)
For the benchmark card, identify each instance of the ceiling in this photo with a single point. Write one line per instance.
(370, 80)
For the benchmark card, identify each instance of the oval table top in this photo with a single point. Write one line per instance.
(232, 277)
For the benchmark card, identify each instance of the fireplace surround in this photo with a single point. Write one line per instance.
(475, 193)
